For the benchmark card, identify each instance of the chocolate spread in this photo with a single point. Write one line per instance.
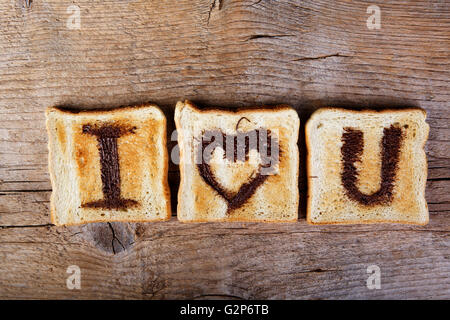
(107, 136)
(238, 145)
(352, 149)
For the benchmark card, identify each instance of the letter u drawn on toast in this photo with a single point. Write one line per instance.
(351, 151)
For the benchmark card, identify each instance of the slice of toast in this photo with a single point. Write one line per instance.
(108, 165)
(366, 166)
(238, 165)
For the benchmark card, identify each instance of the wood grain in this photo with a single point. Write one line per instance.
(308, 54)
(173, 260)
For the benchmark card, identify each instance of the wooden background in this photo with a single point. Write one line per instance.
(218, 53)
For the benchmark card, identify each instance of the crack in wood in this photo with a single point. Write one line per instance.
(9, 192)
(218, 295)
(270, 36)
(319, 270)
(27, 226)
(255, 3)
(115, 238)
(110, 237)
(23, 181)
(323, 57)
(439, 179)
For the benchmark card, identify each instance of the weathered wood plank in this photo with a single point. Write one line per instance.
(173, 260)
(139, 49)
(227, 53)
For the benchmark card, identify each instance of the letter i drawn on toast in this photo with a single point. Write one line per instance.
(107, 136)
(108, 165)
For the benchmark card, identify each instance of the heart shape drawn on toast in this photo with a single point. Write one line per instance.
(236, 147)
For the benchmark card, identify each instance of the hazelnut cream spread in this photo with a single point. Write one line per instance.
(351, 151)
(107, 136)
(237, 147)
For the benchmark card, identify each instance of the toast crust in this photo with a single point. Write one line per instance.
(310, 178)
(110, 114)
(208, 111)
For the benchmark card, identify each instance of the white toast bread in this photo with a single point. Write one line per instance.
(215, 198)
(350, 153)
(108, 165)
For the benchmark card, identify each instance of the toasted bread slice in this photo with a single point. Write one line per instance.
(108, 165)
(366, 166)
(224, 178)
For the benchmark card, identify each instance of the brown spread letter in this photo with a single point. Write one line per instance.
(107, 136)
(352, 148)
(236, 148)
